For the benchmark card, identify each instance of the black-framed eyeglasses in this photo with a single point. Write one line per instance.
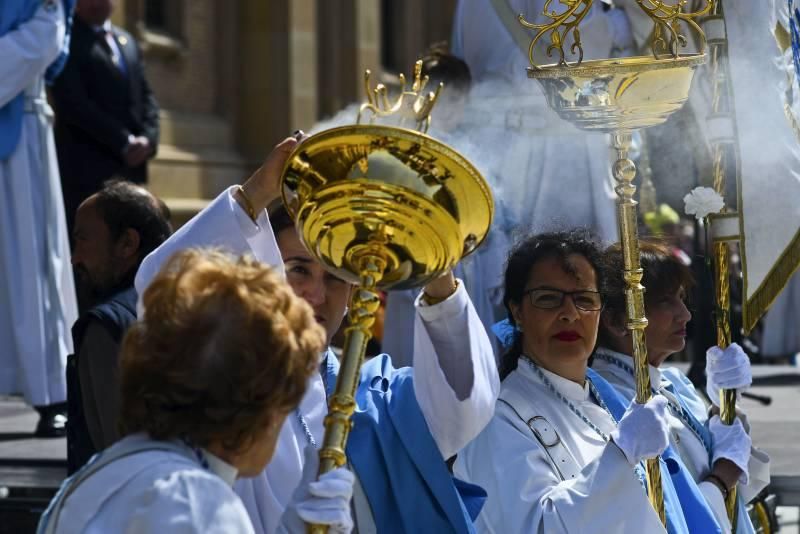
(549, 299)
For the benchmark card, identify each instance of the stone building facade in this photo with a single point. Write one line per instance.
(234, 77)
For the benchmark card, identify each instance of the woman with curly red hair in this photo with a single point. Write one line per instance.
(221, 356)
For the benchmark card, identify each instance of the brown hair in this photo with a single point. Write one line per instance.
(442, 66)
(664, 274)
(223, 347)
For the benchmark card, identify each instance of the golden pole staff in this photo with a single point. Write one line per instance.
(364, 303)
(618, 96)
(382, 207)
(723, 154)
(624, 171)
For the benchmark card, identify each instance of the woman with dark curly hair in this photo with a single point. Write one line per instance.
(717, 456)
(222, 355)
(554, 459)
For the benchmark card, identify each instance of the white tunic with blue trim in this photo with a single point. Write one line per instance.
(526, 493)
(683, 440)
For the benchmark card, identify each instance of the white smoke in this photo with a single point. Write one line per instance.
(547, 173)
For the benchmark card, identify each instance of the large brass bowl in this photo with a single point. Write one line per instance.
(368, 190)
(618, 94)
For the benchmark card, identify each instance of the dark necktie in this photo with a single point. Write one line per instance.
(107, 41)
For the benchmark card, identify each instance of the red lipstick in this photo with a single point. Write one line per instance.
(567, 335)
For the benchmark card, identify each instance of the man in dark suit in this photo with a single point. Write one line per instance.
(106, 114)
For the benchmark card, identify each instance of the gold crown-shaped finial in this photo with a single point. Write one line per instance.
(413, 104)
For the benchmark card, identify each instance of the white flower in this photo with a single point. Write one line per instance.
(702, 201)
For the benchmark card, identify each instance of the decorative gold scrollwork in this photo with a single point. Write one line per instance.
(559, 28)
(667, 38)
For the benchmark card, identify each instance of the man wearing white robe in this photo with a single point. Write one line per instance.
(781, 336)
(455, 375)
(37, 293)
(552, 174)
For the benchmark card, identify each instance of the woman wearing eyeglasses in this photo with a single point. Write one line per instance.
(717, 456)
(553, 458)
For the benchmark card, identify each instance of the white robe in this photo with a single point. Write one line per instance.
(455, 378)
(525, 492)
(551, 174)
(154, 492)
(685, 442)
(37, 293)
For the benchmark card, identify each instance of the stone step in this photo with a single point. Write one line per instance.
(196, 160)
(183, 209)
(180, 172)
(194, 129)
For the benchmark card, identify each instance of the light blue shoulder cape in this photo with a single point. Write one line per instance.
(686, 508)
(695, 408)
(391, 449)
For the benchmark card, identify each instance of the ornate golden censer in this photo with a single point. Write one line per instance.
(383, 207)
(618, 96)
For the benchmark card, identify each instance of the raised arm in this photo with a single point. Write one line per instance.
(223, 224)
(226, 224)
(27, 50)
(455, 374)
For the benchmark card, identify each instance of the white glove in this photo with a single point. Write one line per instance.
(643, 432)
(731, 442)
(325, 501)
(726, 369)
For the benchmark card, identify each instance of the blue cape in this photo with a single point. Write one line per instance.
(693, 407)
(391, 449)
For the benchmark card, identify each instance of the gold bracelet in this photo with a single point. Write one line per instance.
(248, 206)
(432, 301)
(719, 483)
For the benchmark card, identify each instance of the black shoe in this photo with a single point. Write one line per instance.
(52, 421)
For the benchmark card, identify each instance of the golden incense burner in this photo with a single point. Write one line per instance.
(382, 207)
(402, 196)
(618, 96)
